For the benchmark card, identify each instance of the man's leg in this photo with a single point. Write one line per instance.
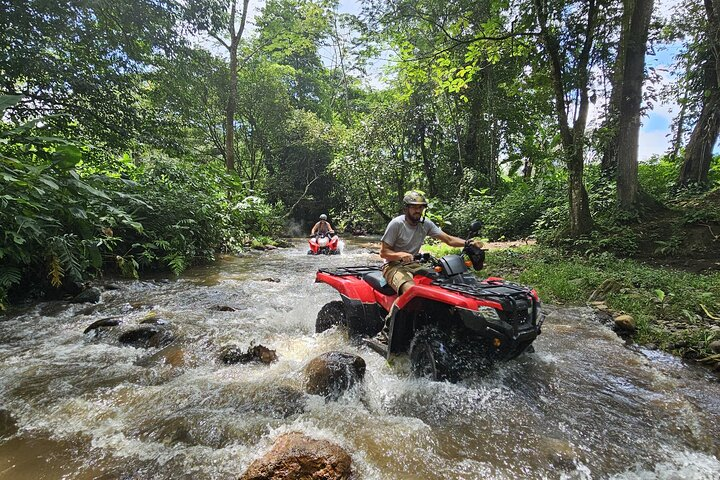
(400, 277)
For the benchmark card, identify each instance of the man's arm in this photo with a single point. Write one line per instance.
(456, 241)
(314, 229)
(391, 255)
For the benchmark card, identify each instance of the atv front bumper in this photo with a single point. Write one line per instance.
(504, 334)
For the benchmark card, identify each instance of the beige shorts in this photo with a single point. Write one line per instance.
(397, 273)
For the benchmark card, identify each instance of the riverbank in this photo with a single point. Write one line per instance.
(657, 307)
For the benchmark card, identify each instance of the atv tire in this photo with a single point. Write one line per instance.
(431, 357)
(330, 314)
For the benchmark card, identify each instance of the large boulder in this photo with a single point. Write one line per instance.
(103, 323)
(296, 456)
(90, 295)
(147, 336)
(332, 373)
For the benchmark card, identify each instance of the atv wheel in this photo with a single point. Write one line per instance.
(431, 357)
(330, 314)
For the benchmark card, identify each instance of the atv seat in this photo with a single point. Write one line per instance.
(378, 282)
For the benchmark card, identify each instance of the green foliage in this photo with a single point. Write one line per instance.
(66, 215)
(657, 176)
(524, 209)
(50, 215)
(89, 61)
(673, 309)
(187, 213)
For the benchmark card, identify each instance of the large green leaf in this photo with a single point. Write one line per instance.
(67, 156)
(7, 101)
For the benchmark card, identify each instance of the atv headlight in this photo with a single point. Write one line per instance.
(489, 313)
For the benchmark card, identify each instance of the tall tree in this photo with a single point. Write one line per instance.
(570, 80)
(630, 102)
(87, 63)
(292, 33)
(472, 53)
(224, 21)
(698, 153)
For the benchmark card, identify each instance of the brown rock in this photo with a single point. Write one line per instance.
(332, 373)
(715, 346)
(264, 354)
(625, 322)
(295, 456)
(257, 353)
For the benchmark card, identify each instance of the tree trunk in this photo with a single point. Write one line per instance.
(480, 151)
(573, 139)
(608, 163)
(680, 124)
(427, 163)
(629, 121)
(698, 154)
(580, 219)
(230, 110)
(235, 36)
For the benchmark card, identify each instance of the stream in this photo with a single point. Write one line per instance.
(84, 406)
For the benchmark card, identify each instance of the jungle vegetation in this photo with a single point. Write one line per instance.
(139, 135)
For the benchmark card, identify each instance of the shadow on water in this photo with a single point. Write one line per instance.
(83, 406)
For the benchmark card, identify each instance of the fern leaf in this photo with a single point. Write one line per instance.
(9, 276)
(56, 273)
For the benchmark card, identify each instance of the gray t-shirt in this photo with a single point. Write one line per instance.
(403, 237)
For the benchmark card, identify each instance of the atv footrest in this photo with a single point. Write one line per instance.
(380, 348)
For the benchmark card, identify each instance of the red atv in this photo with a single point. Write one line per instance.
(451, 323)
(324, 243)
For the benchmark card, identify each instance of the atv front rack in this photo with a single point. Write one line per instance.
(484, 289)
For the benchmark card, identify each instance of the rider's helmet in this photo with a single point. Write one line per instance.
(323, 217)
(414, 198)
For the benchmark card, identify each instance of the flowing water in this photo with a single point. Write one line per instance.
(82, 406)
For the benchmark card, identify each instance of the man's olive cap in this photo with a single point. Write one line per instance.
(414, 198)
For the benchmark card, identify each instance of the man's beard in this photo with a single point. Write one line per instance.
(413, 218)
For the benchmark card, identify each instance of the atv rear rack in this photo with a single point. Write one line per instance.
(350, 271)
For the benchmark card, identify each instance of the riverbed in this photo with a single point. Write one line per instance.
(80, 405)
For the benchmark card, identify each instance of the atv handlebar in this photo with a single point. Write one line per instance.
(422, 257)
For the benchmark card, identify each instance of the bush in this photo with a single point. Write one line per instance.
(64, 220)
(657, 176)
(518, 213)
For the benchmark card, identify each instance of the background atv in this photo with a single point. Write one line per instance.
(450, 323)
(324, 243)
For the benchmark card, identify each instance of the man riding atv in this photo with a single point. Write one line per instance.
(322, 226)
(403, 237)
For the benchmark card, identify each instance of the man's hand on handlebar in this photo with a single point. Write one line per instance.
(477, 244)
(406, 257)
